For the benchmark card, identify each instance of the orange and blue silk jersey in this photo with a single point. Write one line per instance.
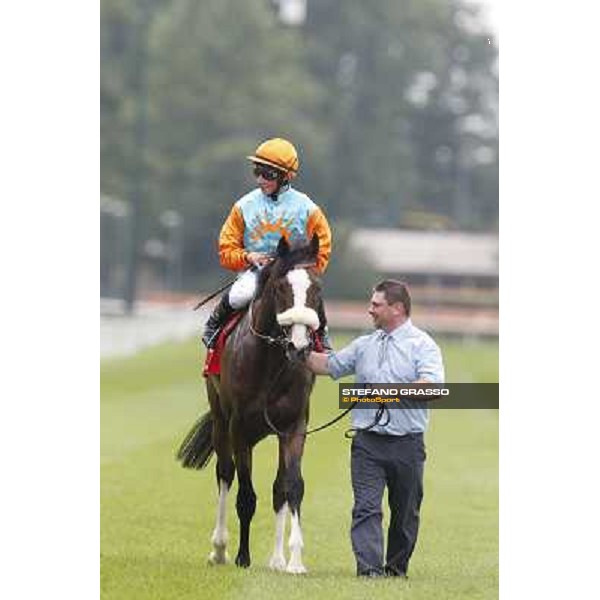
(257, 222)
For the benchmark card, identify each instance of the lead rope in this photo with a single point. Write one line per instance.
(280, 341)
(277, 431)
(349, 433)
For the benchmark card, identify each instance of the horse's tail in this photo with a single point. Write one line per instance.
(197, 447)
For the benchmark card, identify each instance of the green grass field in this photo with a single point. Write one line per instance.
(157, 518)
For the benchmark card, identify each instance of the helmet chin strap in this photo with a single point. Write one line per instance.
(281, 183)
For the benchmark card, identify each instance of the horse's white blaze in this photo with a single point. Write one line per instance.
(300, 282)
(277, 561)
(220, 535)
(296, 544)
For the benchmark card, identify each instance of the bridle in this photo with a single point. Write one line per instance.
(284, 342)
(281, 340)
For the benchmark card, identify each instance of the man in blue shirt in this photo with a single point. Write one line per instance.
(392, 453)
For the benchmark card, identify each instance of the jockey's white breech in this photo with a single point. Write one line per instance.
(244, 288)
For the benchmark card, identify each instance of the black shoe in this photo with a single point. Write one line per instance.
(368, 571)
(395, 572)
(370, 574)
(216, 320)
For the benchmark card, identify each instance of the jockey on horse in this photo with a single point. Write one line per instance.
(255, 225)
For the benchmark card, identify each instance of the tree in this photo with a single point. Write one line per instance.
(392, 105)
(401, 78)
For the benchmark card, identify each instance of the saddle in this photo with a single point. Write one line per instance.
(212, 362)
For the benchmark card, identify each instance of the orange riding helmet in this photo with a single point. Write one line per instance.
(278, 153)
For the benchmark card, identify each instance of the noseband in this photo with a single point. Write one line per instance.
(281, 340)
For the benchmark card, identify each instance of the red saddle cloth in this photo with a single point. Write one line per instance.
(212, 363)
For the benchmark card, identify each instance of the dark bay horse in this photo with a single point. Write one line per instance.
(262, 389)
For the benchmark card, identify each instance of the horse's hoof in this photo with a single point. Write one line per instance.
(242, 561)
(277, 562)
(218, 558)
(296, 569)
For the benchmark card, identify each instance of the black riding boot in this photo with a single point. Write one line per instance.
(323, 331)
(216, 320)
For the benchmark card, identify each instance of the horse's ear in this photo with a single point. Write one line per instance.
(283, 248)
(314, 245)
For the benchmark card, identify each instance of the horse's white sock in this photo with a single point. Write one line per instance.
(278, 559)
(296, 544)
(220, 534)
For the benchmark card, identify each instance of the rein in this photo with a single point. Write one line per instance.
(278, 432)
(349, 433)
(283, 341)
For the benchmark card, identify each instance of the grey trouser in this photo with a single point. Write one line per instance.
(376, 461)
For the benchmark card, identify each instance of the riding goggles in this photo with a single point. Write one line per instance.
(268, 173)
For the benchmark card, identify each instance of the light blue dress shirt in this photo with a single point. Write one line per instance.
(402, 356)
